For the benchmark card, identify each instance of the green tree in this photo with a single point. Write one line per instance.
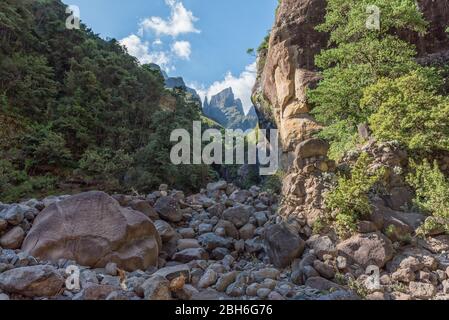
(357, 58)
(349, 200)
(432, 189)
(409, 110)
(75, 105)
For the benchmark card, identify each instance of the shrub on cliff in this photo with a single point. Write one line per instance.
(409, 110)
(432, 190)
(349, 200)
(359, 57)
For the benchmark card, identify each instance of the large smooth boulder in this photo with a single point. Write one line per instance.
(283, 244)
(367, 249)
(35, 281)
(92, 229)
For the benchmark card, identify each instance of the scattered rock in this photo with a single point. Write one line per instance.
(144, 207)
(216, 210)
(210, 241)
(421, 290)
(275, 296)
(321, 246)
(173, 272)
(215, 186)
(4, 297)
(240, 196)
(247, 231)
(191, 254)
(325, 270)
(225, 281)
(34, 281)
(3, 225)
(111, 269)
(14, 214)
(165, 230)
(187, 244)
(263, 293)
(322, 284)
(168, 209)
(436, 244)
(95, 292)
(13, 238)
(219, 253)
(187, 233)
(261, 218)
(238, 215)
(312, 148)
(283, 244)
(228, 228)
(367, 249)
(204, 228)
(157, 288)
(266, 273)
(208, 279)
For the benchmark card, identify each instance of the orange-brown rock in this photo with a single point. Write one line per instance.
(288, 68)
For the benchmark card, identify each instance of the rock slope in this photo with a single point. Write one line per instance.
(223, 243)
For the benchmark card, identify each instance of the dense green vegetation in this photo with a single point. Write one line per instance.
(409, 110)
(78, 110)
(432, 189)
(371, 76)
(349, 200)
(359, 58)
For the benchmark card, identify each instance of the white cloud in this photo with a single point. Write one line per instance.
(181, 21)
(157, 42)
(182, 49)
(241, 86)
(141, 50)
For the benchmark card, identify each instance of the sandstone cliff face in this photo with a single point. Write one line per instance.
(288, 67)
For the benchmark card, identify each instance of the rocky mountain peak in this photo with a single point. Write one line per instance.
(228, 111)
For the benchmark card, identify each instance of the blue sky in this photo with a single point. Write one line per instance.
(204, 41)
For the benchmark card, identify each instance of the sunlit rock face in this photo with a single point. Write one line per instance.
(287, 68)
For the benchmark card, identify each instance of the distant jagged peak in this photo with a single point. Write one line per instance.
(227, 110)
(223, 99)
